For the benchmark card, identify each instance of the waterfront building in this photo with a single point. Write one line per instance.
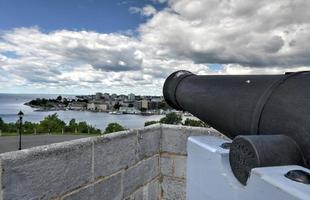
(102, 107)
(137, 105)
(97, 106)
(153, 105)
(131, 97)
(124, 103)
(77, 105)
(91, 106)
(145, 104)
(129, 110)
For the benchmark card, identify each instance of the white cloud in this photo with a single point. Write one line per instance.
(147, 10)
(243, 36)
(134, 10)
(234, 69)
(251, 33)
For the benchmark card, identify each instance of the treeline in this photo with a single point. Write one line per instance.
(176, 119)
(49, 103)
(50, 124)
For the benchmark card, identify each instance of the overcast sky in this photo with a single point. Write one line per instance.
(124, 46)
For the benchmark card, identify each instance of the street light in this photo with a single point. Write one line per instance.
(20, 115)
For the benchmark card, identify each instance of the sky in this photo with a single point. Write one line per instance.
(131, 46)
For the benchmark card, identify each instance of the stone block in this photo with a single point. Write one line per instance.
(83, 193)
(109, 188)
(149, 141)
(47, 171)
(114, 152)
(166, 165)
(180, 166)
(149, 191)
(173, 188)
(174, 138)
(140, 174)
(138, 195)
(152, 190)
(197, 131)
(173, 165)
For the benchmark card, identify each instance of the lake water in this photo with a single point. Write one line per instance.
(11, 104)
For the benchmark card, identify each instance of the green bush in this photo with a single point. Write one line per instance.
(51, 124)
(148, 123)
(171, 118)
(114, 127)
(29, 127)
(197, 123)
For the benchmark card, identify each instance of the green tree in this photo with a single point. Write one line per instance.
(2, 124)
(12, 127)
(7, 127)
(148, 123)
(117, 106)
(30, 127)
(114, 127)
(171, 118)
(59, 98)
(93, 130)
(72, 126)
(65, 101)
(83, 127)
(163, 105)
(197, 123)
(51, 124)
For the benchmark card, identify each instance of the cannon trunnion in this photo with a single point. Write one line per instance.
(266, 116)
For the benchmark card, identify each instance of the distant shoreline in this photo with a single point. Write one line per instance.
(112, 104)
(10, 105)
(48, 109)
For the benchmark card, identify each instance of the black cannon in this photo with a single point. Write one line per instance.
(267, 116)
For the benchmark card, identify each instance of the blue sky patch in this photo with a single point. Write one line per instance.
(105, 16)
(215, 66)
(10, 54)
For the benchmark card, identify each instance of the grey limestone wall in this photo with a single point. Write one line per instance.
(146, 164)
(173, 158)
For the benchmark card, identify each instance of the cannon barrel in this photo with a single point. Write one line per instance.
(267, 116)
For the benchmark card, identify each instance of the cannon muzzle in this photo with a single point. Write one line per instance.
(267, 116)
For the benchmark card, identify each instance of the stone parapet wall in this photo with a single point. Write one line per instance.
(146, 164)
(173, 155)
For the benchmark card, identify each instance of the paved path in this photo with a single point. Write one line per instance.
(10, 143)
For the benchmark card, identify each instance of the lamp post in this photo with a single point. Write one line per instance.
(20, 115)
